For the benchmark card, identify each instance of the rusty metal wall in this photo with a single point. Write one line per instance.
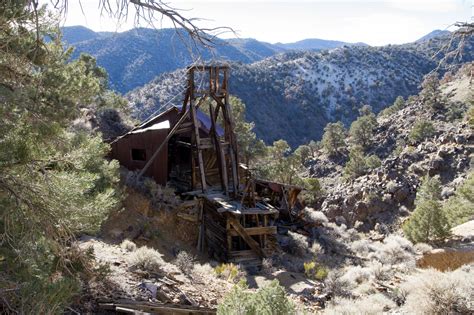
(149, 141)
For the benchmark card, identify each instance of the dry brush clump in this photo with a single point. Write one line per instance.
(128, 245)
(372, 304)
(230, 272)
(146, 259)
(434, 292)
(185, 262)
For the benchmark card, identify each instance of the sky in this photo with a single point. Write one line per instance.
(373, 22)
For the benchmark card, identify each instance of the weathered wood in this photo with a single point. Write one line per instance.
(247, 238)
(162, 145)
(261, 230)
(199, 150)
(201, 227)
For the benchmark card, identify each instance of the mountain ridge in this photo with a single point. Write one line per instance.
(293, 95)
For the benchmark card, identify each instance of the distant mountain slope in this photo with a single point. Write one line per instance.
(76, 34)
(433, 34)
(294, 95)
(135, 57)
(316, 44)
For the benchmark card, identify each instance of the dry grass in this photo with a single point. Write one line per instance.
(372, 304)
(314, 217)
(435, 292)
(394, 250)
(146, 258)
(128, 245)
(184, 262)
(230, 272)
(298, 244)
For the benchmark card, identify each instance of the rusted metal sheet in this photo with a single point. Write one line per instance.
(149, 142)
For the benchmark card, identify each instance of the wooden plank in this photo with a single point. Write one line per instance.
(242, 233)
(162, 145)
(262, 230)
(220, 154)
(199, 151)
(130, 311)
(229, 237)
(201, 227)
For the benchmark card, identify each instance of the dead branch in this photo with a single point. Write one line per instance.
(459, 38)
(152, 13)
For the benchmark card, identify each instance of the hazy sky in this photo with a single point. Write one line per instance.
(373, 22)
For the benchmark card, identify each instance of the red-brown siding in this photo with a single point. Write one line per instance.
(149, 141)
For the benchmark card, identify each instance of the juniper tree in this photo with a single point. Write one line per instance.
(333, 138)
(421, 130)
(428, 222)
(362, 129)
(460, 207)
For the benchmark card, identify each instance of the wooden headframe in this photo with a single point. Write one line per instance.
(215, 90)
(213, 86)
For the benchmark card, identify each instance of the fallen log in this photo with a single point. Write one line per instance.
(137, 307)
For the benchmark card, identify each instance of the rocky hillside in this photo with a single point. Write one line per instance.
(134, 57)
(292, 96)
(386, 194)
(316, 44)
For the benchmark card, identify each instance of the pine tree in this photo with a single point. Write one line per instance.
(362, 129)
(428, 222)
(460, 207)
(333, 138)
(54, 179)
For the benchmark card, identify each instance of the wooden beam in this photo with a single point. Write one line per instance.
(261, 230)
(247, 238)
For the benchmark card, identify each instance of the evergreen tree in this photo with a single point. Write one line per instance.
(430, 92)
(304, 153)
(359, 164)
(356, 166)
(421, 130)
(428, 222)
(362, 130)
(54, 181)
(334, 138)
(460, 207)
(250, 147)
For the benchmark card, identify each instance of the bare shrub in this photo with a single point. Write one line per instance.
(185, 262)
(297, 245)
(362, 248)
(315, 249)
(292, 263)
(160, 197)
(146, 258)
(336, 285)
(372, 304)
(203, 271)
(128, 245)
(356, 274)
(379, 270)
(315, 217)
(435, 292)
(422, 248)
(267, 266)
(394, 250)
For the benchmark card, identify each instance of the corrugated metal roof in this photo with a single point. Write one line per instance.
(161, 125)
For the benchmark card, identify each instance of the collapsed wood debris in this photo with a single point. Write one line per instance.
(198, 155)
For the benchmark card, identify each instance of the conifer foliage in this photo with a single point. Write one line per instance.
(428, 222)
(54, 180)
